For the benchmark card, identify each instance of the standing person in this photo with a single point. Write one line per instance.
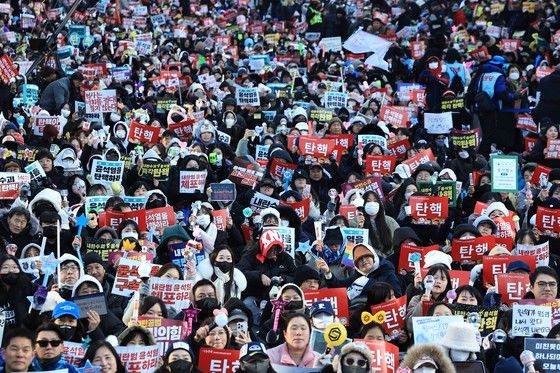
(548, 98)
(60, 92)
(17, 351)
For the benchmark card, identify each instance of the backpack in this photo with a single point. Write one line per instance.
(483, 101)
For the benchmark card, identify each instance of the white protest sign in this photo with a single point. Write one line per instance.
(35, 170)
(432, 329)
(331, 44)
(191, 181)
(335, 100)
(261, 201)
(261, 153)
(364, 42)
(438, 123)
(174, 293)
(2, 325)
(96, 203)
(106, 172)
(127, 279)
(139, 359)
(288, 237)
(44, 120)
(529, 319)
(247, 96)
(104, 101)
(223, 137)
(541, 252)
(504, 170)
(375, 139)
(355, 235)
(28, 265)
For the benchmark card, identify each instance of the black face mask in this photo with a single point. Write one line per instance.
(180, 366)
(207, 304)
(49, 231)
(293, 305)
(67, 332)
(10, 278)
(225, 267)
(483, 189)
(354, 370)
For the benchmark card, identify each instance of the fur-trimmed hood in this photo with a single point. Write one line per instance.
(136, 328)
(205, 270)
(416, 352)
(357, 347)
(49, 195)
(32, 227)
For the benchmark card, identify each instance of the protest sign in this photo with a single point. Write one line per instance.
(247, 97)
(452, 104)
(394, 115)
(244, 176)
(381, 164)
(445, 188)
(407, 253)
(176, 253)
(321, 114)
(35, 171)
(438, 123)
(41, 121)
(344, 141)
(127, 279)
(10, 184)
(526, 122)
(165, 331)
(92, 302)
(106, 172)
(363, 140)
(213, 360)
(334, 100)
(348, 211)
(372, 183)
(417, 49)
(421, 157)
(432, 329)
(73, 353)
(192, 181)
(548, 221)
(512, 286)
(331, 44)
(505, 231)
(96, 203)
(530, 319)
(466, 139)
(222, 192)
(488, 316)
(355, 235)
(139, 359)
(541, 252)
(160, 218)
(7, 71)
(552, 149)
(288, 237)
(183, 129)
(540, 176)
(471, 249)
(546, 352)
(261, 201)
(279, 166)
(156, 169)
(136, 203)
(384, 355)
(300, 207)
(494, 265)
(139, 132)
(458, 278)
(174, 293)
(29, 264)
(337, 297)
(399, 148)
(317, 147)
(220, 219)
(428, 210)
(104, 101)
(504, 173)
(102, 246)
(395, 312)
(261, 154)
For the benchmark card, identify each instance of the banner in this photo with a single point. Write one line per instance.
(192, 181)
(165, 331)
(106, 172)
(471, 249)
(494, 265)
(338, 298)
(446, 189)
(546, 351)
(530, 319)
(174, 293)
(512, 286)
(10, 184)
(504, 169)
(156, 169)
(407, 253)
(382, 164)
(104, 101)
(488, 316)
(548, 221)
(541, 252)
(127, 279)
(395, 312)
(428, 210)
(102, 246)
(432, 329)
(211, 360)
(301, 208)
(139, 132)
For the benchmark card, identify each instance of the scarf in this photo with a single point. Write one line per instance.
(220, 282)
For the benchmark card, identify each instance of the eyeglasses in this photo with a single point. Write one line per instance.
(350, 362)
(69, 268)
(45, 343)
(544, 284)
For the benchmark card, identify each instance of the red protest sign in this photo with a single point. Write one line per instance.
(418, 96)
(399, 148)
(407, 253)
(530, 143)
(541, 173)
(348, 211)
(127, 279)
(113, 218)
(142, 133)
(458, 278)
(343, 140)
(548, 221)
(543, 71)
(480, 208)
(160, 218)
(369, 183)
(384, 355)
(552, 149)
(526, 122)
(395, 311)
(511, 45)
(494, 265)
(382, 164)
(512, 286)
(429, 209)
(10, 184)
(7, 71)
(480, 54)
(42, 121)
(317, 147)
(505, 231)
(211, 360)
(394, 115)
(183, 129)
(100, 68)
(417, 49)
(278, 166)
(301, 208)
(220, 219)
(422, 157)
(472, 248)
(338, 298)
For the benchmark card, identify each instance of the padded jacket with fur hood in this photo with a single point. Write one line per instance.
(416, 352)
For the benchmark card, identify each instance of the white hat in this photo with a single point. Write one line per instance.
(449, 172)
(497, 206)
(461, 336)
(437, 257)
(270, 211)
(302, 126)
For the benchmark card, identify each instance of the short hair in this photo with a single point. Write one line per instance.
(50, 327)
(18, 333)
(544, 270)
(49, 217)
(295, 315)
(202, 282)
(432, 308)
(92, 350)
(19, 210)
(149, 301)
(471, 290)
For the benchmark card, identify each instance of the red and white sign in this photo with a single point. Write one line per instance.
(418, 96)
(472, 248)
(530, 143)
(338, 298)
(112, 218)
(127, 279)
(220, 219)
(548, 221)
(11, 182)
(183, 129)
(512, 286)
(543, 71)
(104, 101)
(399, 148)
(213, 360)
(458, 278)
(428, 208)
(480, 54)
(7, 70)
(301, 208)
(317, 147)
(552, 149)
(494, 265)
(278, 166)
(511, 45)
(382, 164)
(394, 115)
(165, 331)
(142, 133)
(417, 49)
(422, 157)
(526, 122)
(384, 355)
(348, 211)
(42, 121)
(407, 251)
(191, 181)
(395, 312)
(505, 231)
(541, 172)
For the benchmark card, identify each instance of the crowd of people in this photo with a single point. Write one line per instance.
(279, 186)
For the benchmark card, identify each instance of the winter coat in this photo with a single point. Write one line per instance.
(417, 352)
(28, 234)
(549, 102)
(279, 355)
(205, 270)
(60, 364)
(56, 95)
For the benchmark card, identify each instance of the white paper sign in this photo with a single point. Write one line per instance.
(331, 44)
(191, 181)
(106, 172)
(541, 252)
(35, 170)
(529, 319)
(104, 101)
(373, 139)
(174, 293)
(438, 123)
(140, 359)
(335, 100)
(504, 173)
(432, 329)
(247, 97)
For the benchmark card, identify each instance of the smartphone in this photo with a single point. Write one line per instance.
(242, 327)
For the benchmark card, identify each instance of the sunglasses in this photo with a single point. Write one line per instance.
(350, 362)
(54, 343)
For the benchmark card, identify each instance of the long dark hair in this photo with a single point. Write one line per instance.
(435, 269)
(399, 198)
(378, 293)
(228, 285)
(92, 349)
(379, 232)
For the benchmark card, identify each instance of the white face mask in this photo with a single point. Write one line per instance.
(372, 208)
(203, 220)
(121, 134)
(514, 76)
(230, 122)
(425, 370)
(433, 65)
(129, 234)
(457, 355)
(407, 195)
(463, 154)
(284, 223)
(115, 117)
(65, 113)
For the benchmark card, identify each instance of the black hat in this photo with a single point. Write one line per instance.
(93, 257)
(465, 228)
(333, 236)
(300, 174)
(304, 273)
(554, 174)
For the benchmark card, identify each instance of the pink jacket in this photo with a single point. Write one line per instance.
(280, 355)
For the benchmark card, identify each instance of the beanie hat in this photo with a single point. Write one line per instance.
(305, 272)
(93, 257)
(554, 175)
(499, 206)
(461, 336)
(461, 229)
(333, 235)
(437, 257)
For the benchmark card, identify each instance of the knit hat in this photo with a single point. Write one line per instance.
(269, 239)
(499, 206)
(485, 219)
(437, 257)
(461, 336)
(461, 229)
(333, 235)
(93, 257)
(305, 272)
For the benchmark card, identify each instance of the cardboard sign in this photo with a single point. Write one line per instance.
(488, 316)
(548, 221)
(165, 331)
(421, 157)
(380, 164)
(438, 123)
(432, 329)
(395, 312)
(142, 133)
(192, 181)
(139, 359)
(222, 192)
(447, 189)
(261, 201)
(106, 172)
(247, 97)
(494, 265)
(394, 115)
(245, 177)
(301, 208)
(174, 293)
(552, 149)
(512, 286)
(73, 353)
(288, 237)
(471, 249)
(429, 210)
(337, 297)
(211, 360)
(526, 122)
(406, 254)
(530, 319)
(545, 351)
(541, 252)
(10, 184)
(127, 279)
(504, 173)
(102, 246)
(42, 121)
(104, 101)
(93, 302)
(7, 71)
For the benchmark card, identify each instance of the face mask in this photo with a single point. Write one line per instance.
(322, 321)
(354, 370)
(207, 304)
(372, 208)
(49, 232)
(514, 76)
(180, 366)
(225, 267)
(67, 332)
(257, 366)
(203, 220)
(457, 355)
(407, 195)
(433, 65)
(463, 154)
(230, 122)
(440, 142)
(10, 278)
(425, 370)
(294, 305)
(121, 134)
(65, 113)
(115, 117)
(129, 234)
(284, 223)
